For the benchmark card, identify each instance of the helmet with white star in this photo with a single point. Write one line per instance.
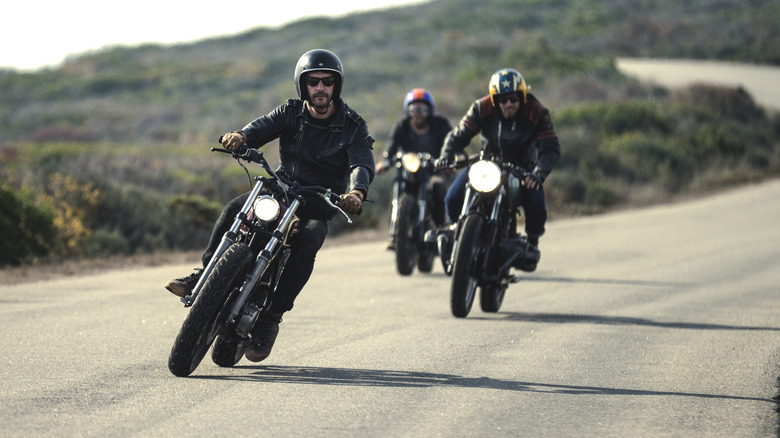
(507, 81)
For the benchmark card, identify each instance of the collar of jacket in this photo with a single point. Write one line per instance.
(338, 120)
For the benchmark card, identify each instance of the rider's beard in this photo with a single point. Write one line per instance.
(509, 112)
(321, 101)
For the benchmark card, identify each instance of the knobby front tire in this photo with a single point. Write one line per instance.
(202, 323)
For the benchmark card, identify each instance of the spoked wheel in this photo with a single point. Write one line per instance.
(464, 284)
(491, 297)
(405, 243)
(202, 323)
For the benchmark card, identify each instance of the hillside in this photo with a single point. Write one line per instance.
(108, 153)
(191, 93)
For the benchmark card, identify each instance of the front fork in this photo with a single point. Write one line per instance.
(228, 239)
(397, 190)
(493, 219)
(263, 259)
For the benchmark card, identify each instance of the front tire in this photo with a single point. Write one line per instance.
(464, 284)
(202, 323)
(405, 243)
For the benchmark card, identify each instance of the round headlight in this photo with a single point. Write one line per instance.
(266, 208)
(484, 176)
(411, 162)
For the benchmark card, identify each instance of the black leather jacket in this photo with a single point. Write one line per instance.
(400, 136)
(529, 140)
(337, 154)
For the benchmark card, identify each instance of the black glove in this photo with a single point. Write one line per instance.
(444, 161)
(532, 181)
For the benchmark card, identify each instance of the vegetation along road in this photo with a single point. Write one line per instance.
(660, 321)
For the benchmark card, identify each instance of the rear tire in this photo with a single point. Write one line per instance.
(202, 323)
(491, 297)
(464, 284)
(405, 242)
(425, 259)
(227, 352)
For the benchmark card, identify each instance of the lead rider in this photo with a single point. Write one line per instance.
(322, 142)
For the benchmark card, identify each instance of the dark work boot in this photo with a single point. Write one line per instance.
(264, 337)
(532, 255)
(181, 287)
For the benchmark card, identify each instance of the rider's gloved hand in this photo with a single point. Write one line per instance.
(233, 140)
(532, 181)
(382, 167)
(352, 202)
(444, 161)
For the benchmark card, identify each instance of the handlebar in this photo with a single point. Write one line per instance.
(255, 156)
(516, 170)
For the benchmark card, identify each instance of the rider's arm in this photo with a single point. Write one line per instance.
(270, 126)
(460, 137)
(360, 153)
(548, 145)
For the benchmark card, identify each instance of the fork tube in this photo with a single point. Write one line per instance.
(422, 200)
(227, 239)
(394, 207)
(264, 258)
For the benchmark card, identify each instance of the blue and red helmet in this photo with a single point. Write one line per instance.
(418, 95)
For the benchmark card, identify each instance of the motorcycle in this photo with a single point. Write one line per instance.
(484, 244)
(411, 216)
(238, 284)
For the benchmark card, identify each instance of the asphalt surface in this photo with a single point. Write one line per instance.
(655, 322)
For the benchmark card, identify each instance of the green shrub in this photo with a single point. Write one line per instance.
(104, 242)
(652, 159)
(27, 228)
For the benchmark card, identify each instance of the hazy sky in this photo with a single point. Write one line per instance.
(36, 34)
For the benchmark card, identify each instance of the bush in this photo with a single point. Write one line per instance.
(27, 229)
(652, 159)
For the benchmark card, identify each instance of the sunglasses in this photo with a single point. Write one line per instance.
(504, 99)
(327, 81)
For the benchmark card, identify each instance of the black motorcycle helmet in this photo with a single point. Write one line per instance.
(318, 60)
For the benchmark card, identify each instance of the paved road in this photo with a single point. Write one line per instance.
(657, 322)
(761, 81)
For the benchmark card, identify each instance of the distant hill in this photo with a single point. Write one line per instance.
(109, 152)
(190, 93)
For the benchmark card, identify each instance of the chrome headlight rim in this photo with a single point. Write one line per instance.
(485, 176)
(266, 208)
(411, 162)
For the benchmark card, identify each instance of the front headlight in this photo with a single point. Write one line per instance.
(266, 208)
(411, 162)
(485, 176)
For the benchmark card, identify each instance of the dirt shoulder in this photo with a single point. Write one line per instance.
(75, 268)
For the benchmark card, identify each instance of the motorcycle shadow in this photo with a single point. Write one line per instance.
(569, 318)
(410, 379)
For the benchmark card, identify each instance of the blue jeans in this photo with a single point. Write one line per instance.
(532, 201)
